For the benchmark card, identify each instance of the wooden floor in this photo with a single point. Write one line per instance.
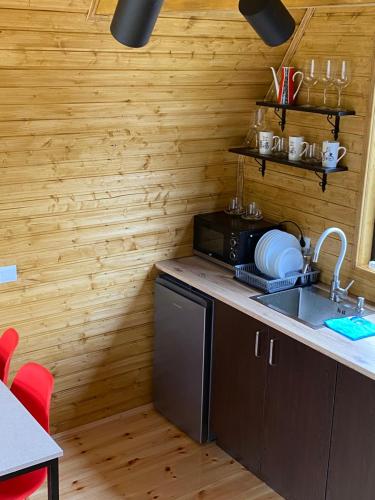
(140, 456)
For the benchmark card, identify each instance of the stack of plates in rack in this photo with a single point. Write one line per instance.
(278, 254)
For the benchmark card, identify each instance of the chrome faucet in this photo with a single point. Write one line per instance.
(337, 293)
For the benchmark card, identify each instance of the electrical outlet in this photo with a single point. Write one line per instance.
(8, 274)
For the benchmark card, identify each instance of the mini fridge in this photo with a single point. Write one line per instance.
(182, 358)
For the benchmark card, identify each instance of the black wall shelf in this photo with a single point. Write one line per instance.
(320, 171)
(330, 113)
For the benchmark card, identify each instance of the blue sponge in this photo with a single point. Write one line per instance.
(353, 328)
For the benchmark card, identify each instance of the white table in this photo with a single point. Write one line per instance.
(24, 444)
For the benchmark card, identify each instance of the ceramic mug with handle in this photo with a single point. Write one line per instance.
(330, 154)
(297, 147)
(267, 142)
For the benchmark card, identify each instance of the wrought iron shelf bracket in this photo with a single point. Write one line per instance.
(335, 125)
(281, 117)
(262, 160)
(262, 166)
(323, 181)
(333, 115)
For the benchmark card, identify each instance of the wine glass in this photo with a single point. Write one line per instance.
(258, 124)
(311, 76)
(342, 79)
(235, 206)
(327, 77)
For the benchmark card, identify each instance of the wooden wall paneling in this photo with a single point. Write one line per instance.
(48, 5)
(92, 11)
(107, 7)
(196, 96)
(288, 193)
(338, 4)
(106, 154)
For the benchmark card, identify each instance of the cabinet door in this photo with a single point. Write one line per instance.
(298, 419)
(352, 463)
(239, 374)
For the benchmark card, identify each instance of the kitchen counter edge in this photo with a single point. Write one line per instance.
(218, 282)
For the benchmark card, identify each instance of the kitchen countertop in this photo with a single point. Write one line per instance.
(218, 282)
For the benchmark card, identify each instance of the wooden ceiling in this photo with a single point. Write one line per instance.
(107, 7)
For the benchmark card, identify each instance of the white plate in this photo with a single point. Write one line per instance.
(263, 250)
(287, 262)
(276, 245)
(262, 240)
(260, 246)
(294, 241)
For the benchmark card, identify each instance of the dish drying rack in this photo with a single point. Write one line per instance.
(250, 275)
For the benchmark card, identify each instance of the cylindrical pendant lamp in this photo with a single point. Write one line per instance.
(270, 19)
(134, 21)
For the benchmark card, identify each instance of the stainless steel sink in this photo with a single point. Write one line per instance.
(309, 305)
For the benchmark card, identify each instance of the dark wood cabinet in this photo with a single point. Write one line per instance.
(293, 416)
(238, 384)
(298, 419)
(352, 462)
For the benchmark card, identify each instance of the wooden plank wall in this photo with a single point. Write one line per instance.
(106, 153)
(107, 7)
(291, 194)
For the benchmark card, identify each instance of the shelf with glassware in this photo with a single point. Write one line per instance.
(261, 159)
(329, 73)
(331, 113)
(295, 151)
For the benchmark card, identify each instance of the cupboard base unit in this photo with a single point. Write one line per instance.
(294, 417)
(352, 461)
(300, 393)
(239, 375)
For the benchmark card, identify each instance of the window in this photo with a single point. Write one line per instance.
(366, 240)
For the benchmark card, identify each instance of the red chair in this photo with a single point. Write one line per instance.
(8, 343)
(33, 386)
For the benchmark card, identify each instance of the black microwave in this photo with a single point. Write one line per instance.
(226, 239)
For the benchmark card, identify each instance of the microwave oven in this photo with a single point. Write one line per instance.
(226, 239)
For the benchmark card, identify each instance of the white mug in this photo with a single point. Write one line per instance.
(267, 142)
(297, 148)
(330, 154)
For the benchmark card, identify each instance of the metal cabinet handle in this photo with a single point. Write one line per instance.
(271, 360)
(257, 344)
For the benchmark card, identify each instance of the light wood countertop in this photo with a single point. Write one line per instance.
(218, 282)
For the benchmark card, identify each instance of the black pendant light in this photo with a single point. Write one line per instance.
(134, 21)
(270, 19)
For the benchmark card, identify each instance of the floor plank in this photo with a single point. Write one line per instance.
(138, 455)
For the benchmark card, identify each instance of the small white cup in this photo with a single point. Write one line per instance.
(330, 154)
(297, 147)
(267, 142)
